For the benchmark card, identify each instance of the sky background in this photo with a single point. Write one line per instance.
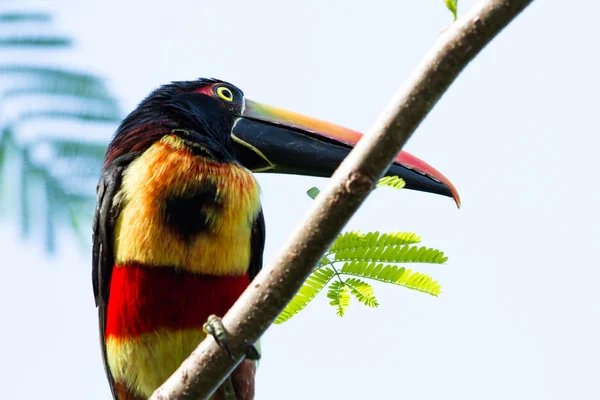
(517, 134)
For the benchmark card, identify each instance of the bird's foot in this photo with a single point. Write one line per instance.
(214, 327)
(252, 352)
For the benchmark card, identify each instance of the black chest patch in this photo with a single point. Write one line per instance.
(192, 212)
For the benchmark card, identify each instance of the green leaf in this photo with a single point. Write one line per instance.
(362, 253)
(41, 41)
(58, 80)
(392, 274)
(313, 285)
(313, 192)
(391, 181)
(392, 254)
(362, 291)
(51, 208)
(452, 6)
(70, 148)
(93, 115)
(57, 172)
(24, 194)
(79, 228)
(6, 141)
(24, 17)
(340, 297)
(356, 240)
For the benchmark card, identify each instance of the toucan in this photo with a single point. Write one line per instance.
(179, 231)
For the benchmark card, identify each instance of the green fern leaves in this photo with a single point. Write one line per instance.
(362, 291)
(355, 240)
(394, 254)
(363, 257)
(393, 274)
(311, 288)
(340, 297)
(391, 181)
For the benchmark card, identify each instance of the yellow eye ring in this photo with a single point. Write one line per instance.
(225, 93)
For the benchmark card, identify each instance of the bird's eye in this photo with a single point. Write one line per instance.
(225, 93)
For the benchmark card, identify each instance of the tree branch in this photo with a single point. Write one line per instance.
(202, 373)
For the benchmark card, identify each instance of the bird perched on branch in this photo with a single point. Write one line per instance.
(179, 230)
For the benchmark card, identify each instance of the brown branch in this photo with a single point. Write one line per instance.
(202, 373)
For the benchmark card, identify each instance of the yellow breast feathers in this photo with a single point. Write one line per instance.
(184, 210)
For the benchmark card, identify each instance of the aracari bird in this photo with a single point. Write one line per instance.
(179, 230)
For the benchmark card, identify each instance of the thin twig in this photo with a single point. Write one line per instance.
(202, 373)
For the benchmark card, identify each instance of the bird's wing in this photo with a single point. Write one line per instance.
(105, 218)
(257, 245)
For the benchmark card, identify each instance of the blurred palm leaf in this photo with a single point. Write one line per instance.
(48, 172)
(24, 16)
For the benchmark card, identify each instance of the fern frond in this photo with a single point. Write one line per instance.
(323, 262)
(35, 41)
(356, 240)
(313, 285)
(392, 254)
(71, 148)
(391, 181)
(56, 175)
(53, 80)
(362, 291)
(340, 297)
(393, 274)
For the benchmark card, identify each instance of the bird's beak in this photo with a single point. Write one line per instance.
(269, 139)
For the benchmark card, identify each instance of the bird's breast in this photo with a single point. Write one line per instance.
(182, 251)
(186, 211)
(155, 317)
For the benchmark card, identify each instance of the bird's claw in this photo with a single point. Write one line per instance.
(214, 327)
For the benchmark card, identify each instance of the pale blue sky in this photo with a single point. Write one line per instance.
(517, 134)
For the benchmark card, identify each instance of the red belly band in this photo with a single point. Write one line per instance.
(143, 299)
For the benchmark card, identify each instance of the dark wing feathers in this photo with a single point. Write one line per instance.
(257, 245)
(105, 218)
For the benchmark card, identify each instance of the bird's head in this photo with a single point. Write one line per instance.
(213, 118)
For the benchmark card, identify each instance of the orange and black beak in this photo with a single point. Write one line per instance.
(269, 139)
